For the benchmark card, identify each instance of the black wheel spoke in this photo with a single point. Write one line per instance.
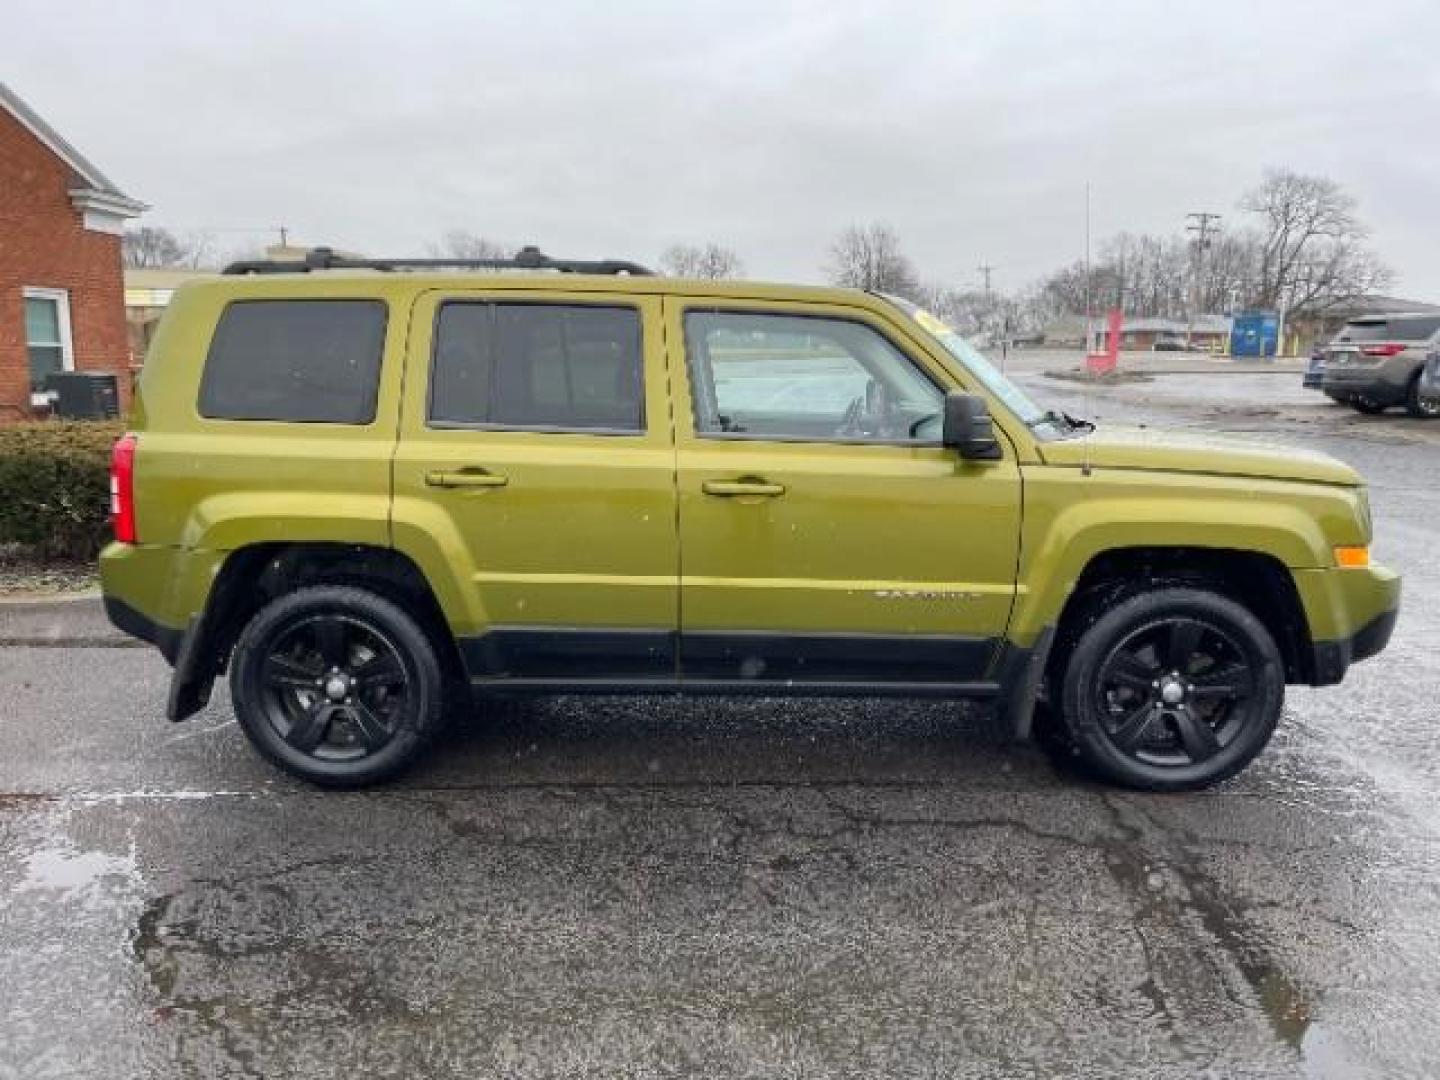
(1184, 643)
(1196, 736)
(330, 640)
(373, 732)
(310, 726)
(290, 674)
(1228, 682)
(382, 669)
(1129, 670)
(1133, 729)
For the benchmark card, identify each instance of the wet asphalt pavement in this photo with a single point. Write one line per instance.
(657, 888)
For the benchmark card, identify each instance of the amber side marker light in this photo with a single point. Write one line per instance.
(1352, 556)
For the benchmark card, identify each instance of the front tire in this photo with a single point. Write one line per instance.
(337, 686)
(1172, 690)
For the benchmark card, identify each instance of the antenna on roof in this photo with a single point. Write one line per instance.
(527, 258)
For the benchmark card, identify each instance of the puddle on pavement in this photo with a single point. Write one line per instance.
(91, 878)
(1288, 1010)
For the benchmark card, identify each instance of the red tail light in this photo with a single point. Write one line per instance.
(1391, 348)
(122, 489)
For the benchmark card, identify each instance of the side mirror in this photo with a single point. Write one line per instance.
(969, 429)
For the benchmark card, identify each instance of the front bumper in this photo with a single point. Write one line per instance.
(1352, 613)
(1333, 658)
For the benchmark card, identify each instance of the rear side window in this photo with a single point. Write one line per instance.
(300, 361)
(1412, 329)
(564, 367)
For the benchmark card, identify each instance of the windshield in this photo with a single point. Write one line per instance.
(1044, 422)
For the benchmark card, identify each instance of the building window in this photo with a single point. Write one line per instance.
(47, 334)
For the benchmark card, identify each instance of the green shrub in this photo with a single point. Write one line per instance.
(55, 487)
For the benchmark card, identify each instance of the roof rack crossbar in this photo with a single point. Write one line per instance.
(527, 258)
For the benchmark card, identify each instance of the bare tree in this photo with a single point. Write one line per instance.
(463, 244)
(1312, 246)
(869, 257)
(1227, 273)
(701, 261)
(151, 246)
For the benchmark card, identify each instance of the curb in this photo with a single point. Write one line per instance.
(74, 621)
(20, 603)
(87, 641)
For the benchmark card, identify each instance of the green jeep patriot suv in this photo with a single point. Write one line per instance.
(370, 495)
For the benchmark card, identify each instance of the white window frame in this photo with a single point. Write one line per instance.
(61, 297)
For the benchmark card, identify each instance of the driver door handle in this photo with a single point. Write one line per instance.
(465, 478)
(741, 488)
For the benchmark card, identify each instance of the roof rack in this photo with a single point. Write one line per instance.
(527, 258)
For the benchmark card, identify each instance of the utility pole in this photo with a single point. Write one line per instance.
(1089, 340)
(985, 270)
(1203, 224)
(284, 235)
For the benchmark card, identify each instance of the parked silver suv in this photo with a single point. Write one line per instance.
(1376, 362)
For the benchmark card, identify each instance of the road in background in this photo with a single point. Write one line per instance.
(735, 887)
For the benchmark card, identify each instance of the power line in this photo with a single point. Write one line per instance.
(1203, 223)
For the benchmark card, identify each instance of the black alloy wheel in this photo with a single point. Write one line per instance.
(1173, 689)
(336, 685)
(1174, 692)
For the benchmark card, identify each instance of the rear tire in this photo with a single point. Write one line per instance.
(1368, 406)
(1423, 408)
(337, 686)
(1174, 689)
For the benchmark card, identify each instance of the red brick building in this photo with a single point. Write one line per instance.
(62, 303)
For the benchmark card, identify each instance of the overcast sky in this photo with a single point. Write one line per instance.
(615, 129)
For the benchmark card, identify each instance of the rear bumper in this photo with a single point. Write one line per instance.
(1386, 383)
(1313, 380)
(145, 584)
(194, 673)
(128, 620)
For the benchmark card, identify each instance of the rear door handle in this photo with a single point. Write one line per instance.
(741, 488)
(465, 478)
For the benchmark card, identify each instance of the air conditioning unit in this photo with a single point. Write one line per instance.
(84, 395)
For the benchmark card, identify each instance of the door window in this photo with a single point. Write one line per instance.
(800, 377)
(556, 367)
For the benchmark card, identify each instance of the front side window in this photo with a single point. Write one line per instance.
(806, 378)
(299, 361)
(562, 367)
(47, 334)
